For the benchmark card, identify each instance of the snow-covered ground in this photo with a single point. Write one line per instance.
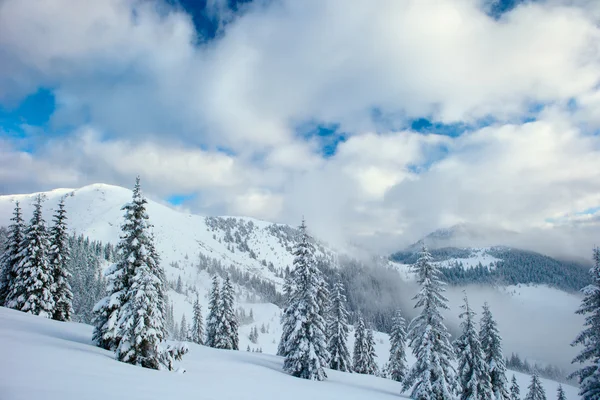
(44, 359)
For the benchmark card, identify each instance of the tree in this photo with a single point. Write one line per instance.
(515, 391)
(560, 393)
(432, 376)
(183, 329)
(286, 328)
(197, 325)
(396, 366)
(11, 255)
(589, 375)
(214, 313)
(31, 291)
(491, 346)
(337, 330)
(305, 346)
(536, 390)
(141, 318)
(473, 376)
(364, 350)
(226, 336)
(58, 258)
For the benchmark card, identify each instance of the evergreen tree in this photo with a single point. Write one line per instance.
(226, 336)
(432, 376)
(306, 345)
(197, 325)
(183, 329)
(31, 291)
(11, 255)
(59, 254)
(515, 391)
(560, 393)
(473, 376)
(589, 375)
(536, 390)
(337, 330)
(286, 328)
(491, 346)
(396, 367)
(364, 350)
(214, 313)
(141, 318)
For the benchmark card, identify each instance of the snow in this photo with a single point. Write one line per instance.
(45, 359)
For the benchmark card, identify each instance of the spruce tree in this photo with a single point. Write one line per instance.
(396, 367)
(364, 350)
(491, 346)
(141, 318)
(183, 329)
(306, 346)
(536, 390)
(515, 391)
(58, 257)
(197, 325)
(432, 376)
(214, 313)
(11, 255)
(226, 336)
(286, 328)
(560, 393)
(337, 330)
(589, 375)
(472, 373)
(31, 291)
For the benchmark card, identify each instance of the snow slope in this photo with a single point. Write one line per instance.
(44, 359)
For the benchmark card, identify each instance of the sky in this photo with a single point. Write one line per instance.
(378, 121)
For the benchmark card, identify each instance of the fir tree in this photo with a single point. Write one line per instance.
(536, 390)
(432, 376)
(396, 367)
(364, 350)
(58, 258)
(226, 336)
(31, 291)
(337, 330)
(197, 325)
(286, 328)
(560, 393)
(214, 313)
(491, 346)
(589, 375)
(473, 376)
(141, 318)
(183, 329)
(515, 391)
(11, 255)
(306, 345)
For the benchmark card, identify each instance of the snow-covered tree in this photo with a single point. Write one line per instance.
(31, 290)
(286, 328)
(183, 329)
(58, 257)
(396, 366)
(491, 346)
(306, 344)
(197, 335)
(226, 336)
(432, 376)
(536, 390)
(560, 393)
(472, 372)
(141, 318)
(11, 254)
(515, 391)
(214, 313)
(337, 330)
(364, 350)
(589, 375)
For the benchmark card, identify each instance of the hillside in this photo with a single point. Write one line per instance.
(42, 355)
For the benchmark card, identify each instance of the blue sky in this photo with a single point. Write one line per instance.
(378, 119)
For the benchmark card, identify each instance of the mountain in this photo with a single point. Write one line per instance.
(494, 265)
